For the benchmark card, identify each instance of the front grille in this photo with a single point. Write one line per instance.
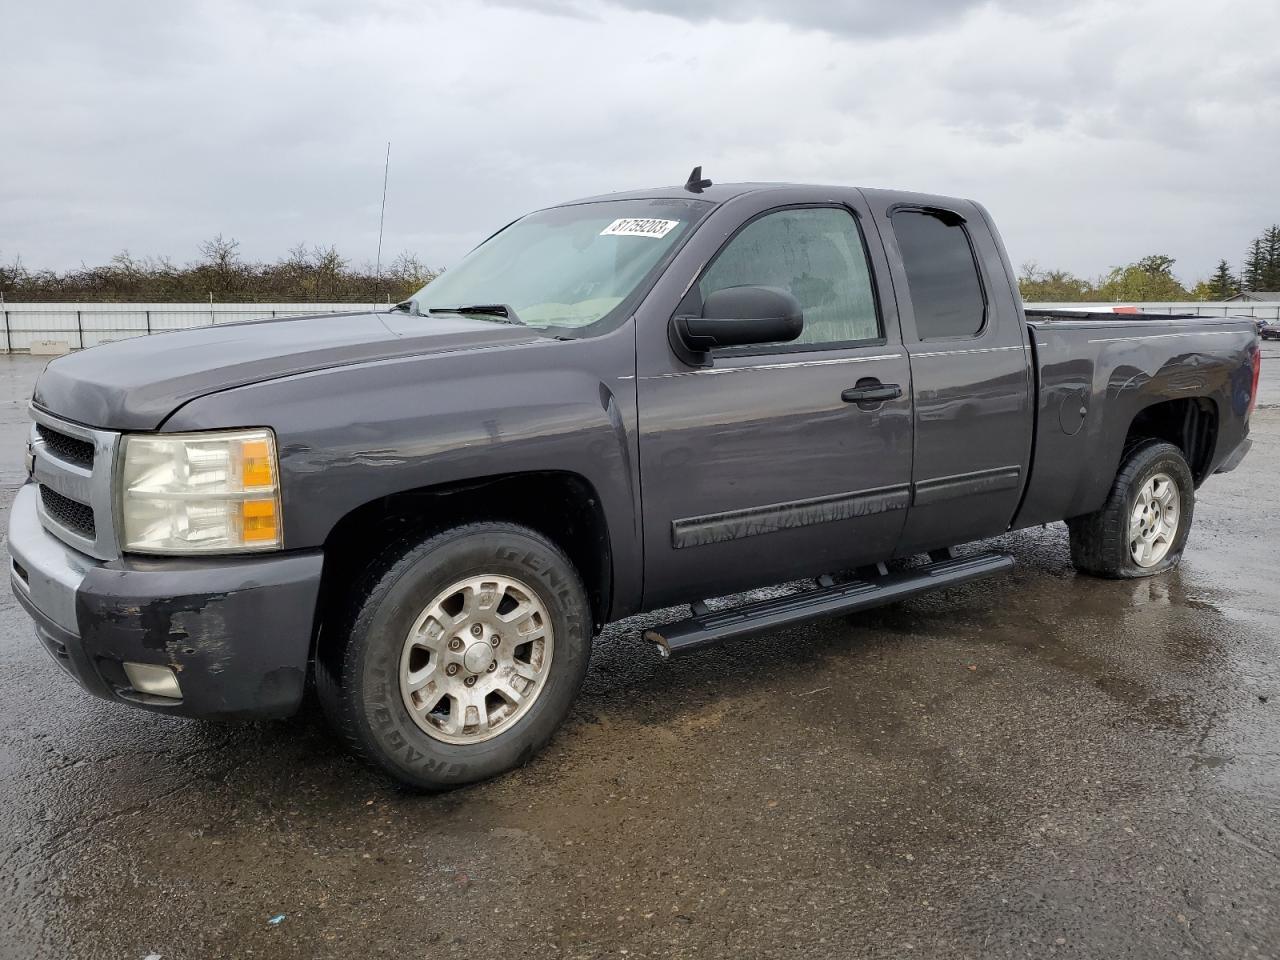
(67, 448)
(74, 467)
(75, 516)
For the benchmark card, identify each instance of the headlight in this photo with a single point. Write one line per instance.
(200, 492)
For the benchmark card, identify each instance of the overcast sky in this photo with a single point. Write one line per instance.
(1095, 132)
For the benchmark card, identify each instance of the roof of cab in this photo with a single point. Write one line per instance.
(716, 193)
(719, 193)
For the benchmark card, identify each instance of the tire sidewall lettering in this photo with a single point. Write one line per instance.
(390, 732)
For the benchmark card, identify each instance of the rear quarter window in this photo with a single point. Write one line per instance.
(942, 275)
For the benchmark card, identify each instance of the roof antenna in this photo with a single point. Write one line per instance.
(695, 183)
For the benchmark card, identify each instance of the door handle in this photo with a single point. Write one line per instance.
(873, 392)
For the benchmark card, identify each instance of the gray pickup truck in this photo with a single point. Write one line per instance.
(616, 405)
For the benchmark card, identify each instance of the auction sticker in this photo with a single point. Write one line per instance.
(639, 227)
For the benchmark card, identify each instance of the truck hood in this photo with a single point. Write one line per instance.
(136, 384)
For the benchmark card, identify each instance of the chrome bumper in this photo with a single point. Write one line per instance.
(44, 570)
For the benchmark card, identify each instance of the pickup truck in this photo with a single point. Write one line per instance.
(615, 405)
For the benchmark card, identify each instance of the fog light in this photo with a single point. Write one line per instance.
(155, 680)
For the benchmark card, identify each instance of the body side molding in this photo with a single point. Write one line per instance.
(770, 518)
(965, 484)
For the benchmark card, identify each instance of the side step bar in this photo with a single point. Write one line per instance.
(708, 627)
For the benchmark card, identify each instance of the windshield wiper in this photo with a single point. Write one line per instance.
(501, 312)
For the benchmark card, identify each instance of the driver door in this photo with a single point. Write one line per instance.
(756, 469)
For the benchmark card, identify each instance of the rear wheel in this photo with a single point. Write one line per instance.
(1142, 528)
(459, 656)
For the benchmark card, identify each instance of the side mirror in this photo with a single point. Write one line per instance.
(738, 316)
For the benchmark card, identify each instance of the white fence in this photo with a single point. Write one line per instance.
(1262, 310)
(80, 325)
(87, 324)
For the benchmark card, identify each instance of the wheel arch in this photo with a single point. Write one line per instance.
(1189, 423)
(561, 505)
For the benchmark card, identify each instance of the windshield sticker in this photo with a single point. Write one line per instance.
(639, 227)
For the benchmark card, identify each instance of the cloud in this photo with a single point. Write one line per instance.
(1095, 132)
(859, 18)
(855, 19)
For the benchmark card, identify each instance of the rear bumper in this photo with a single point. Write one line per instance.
(1235, 456)
(235, 631)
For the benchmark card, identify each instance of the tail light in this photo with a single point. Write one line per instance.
(1257, 374)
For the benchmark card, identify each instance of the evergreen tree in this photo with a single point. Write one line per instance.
(1222, 284)
(1255, 263)
(1270, 272)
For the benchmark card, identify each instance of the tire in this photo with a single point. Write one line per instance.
(365, 662)
(1103, 543)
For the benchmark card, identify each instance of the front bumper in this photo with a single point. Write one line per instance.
(236, 631)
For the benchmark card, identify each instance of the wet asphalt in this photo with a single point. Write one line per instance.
(1037, 766)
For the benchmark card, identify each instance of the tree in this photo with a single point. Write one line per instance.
(303, 274)
(1222, 284)
(13, 276)
(1052, 286)
(1149, 279)
(1255, 265)
(408, 272)
(220, 254)
(1269, 278)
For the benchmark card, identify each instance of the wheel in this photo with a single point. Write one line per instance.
(458, 656)
(1141, 529)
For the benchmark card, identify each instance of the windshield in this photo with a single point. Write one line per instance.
(567, 266)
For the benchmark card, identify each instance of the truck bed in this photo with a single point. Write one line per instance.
(1098, 372)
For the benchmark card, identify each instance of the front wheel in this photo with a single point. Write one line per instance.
(1142, 528)
(459, 656)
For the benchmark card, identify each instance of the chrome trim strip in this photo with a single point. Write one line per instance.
(1119, 320)
(952, 353)
(1170, 336)
(774, 366)
(90, 487)
(755, 521)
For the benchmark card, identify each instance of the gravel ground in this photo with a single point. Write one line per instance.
(1041, 765)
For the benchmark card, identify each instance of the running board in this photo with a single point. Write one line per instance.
(707, 627)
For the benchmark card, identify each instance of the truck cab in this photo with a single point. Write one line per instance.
(907, 296)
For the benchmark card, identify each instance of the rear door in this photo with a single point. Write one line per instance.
(971, 376)
(755, 469)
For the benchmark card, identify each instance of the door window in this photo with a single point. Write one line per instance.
(942, 275)
(816, 254)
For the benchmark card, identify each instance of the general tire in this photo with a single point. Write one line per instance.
(358, 668)
(1100, 542)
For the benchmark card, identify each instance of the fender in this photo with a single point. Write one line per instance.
(349, 435)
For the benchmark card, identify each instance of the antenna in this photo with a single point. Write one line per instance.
(382, 217)
(695, 183)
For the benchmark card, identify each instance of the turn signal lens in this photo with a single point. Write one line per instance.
(192, 493)
(257, 463)
(258, 521)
